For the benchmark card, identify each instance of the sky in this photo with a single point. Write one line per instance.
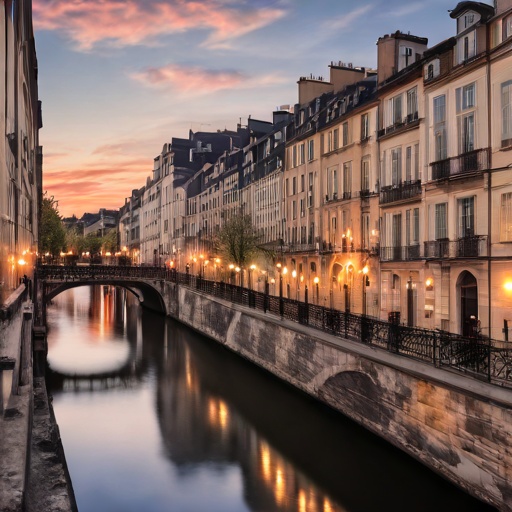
(119, 78)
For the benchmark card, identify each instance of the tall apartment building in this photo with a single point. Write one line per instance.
(384, 192)
(20, 153)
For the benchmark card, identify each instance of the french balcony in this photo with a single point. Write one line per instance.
(295, 248)
(473, 161)
(466, 247)
(399, 125)
(401, 192)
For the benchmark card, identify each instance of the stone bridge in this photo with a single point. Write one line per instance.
(444, 400)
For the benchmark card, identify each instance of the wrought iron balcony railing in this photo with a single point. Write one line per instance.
(472, 161)
(400, 253)
(466, 247)
(405, 190)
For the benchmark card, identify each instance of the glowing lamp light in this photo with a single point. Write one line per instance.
(63, 254)
(273, 281)
(217, 260)
(195, 260)
(47, 254)
(316, 280)
(206, 262)
(171, 264)
(22, 262)
(125, 249)
(108, 254)
(508, 286)
(231, 267)
(253, 267)
(301, 279)
(429, 282)
(285, 271)
(87, 253)
(294, 273)
(237, 269)
(278, 265)
(365, 270)
(24, 252)
(201, 256)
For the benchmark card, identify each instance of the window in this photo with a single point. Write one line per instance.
(365, 174)
(440, 128)
(441, 230)
(302, 182)
(302, 154)
(416, 227)
(465, 97)
(406, 57)
(335, 183)
(507, 27)
(294, 163)
(294, 209)
(302, 209)
(408, 163)
(468, 20)
(396, 166)
(329, 142)
(412, 104)
(397, 230)
(365, 126)
(294, 186)
(416, 175)
(395, 110)
(466, 209)
(466, 128)
(347, 180)
(506, 217)
(506, 113)
(310, 191)
(432, 70)
(287, 187)
(345, 134)
(336, 136)
(467, 47)
(311, 150)
(365, 231)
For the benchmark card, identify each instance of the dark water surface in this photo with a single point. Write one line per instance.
(155, 417)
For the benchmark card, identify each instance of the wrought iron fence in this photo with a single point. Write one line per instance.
(479, 357)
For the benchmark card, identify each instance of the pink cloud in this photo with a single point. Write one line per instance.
(199, 80)
(191, 78)
(140, 22)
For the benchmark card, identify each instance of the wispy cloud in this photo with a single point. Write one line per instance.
(406, 10)
(198, 80)
(346, 20)
(140, 22)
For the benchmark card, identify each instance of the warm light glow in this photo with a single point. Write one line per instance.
(87, 253)
(279, 486)
(327, 506)
(70, 253)
(285, 271)
(253, 267)
(278, 265)
(195, 260)
(265, 462)
(365, 270)
(302, 501)
(63, 254)
(231, 267)
(294, 274)
(223, 414)
(508, 286)
(24, 252)
(47, 254)
(237, 269)
(22, 262)
(429, 282)
(272, 280)
(125, 249)
(206, 262)
(217, 260)
(301, 279)
(201, 256)
(108, 254)
(316, 280)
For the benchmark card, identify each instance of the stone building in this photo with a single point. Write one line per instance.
(20, 153)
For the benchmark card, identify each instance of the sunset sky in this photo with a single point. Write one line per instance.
(120, 78)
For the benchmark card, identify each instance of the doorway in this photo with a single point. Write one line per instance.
(468, 304)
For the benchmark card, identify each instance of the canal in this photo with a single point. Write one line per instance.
(155, 417)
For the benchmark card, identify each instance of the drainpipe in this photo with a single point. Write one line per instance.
(489, 175)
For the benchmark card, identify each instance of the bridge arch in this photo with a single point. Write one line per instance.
(149, 296)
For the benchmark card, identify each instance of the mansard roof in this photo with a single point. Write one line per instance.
(486, 11)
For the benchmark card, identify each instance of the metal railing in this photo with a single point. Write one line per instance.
(472, 161)
(405, 190)
(478, 357)
(466, 247)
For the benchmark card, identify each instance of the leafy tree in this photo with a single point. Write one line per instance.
(52, 233)
(109, 241)
(75, 242)
(92, 244)
(237, 242)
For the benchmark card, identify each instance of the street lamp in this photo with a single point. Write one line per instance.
(252, 268)
(317, 281)
(366, 282)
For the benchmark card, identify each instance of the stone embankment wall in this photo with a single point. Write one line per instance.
(460, 427)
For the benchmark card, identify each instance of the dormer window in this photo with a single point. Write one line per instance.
(432, 70)
(406, 57)
(469, 19)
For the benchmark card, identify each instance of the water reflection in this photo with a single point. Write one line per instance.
(186, 425)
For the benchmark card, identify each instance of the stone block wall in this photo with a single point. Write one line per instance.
(459, 427)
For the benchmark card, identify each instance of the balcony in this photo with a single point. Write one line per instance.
(294, 248)
(472, 161)
(404, 191)
(398, 126)
(467, 247)
(400, 253)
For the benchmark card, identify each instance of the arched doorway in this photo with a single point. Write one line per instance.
(468, 304)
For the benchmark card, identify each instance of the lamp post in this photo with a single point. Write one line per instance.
(366, 282)
(237, 270)
(317, 281)
(294, 275)
(251, 271)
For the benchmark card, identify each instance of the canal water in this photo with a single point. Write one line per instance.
(155, 417)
